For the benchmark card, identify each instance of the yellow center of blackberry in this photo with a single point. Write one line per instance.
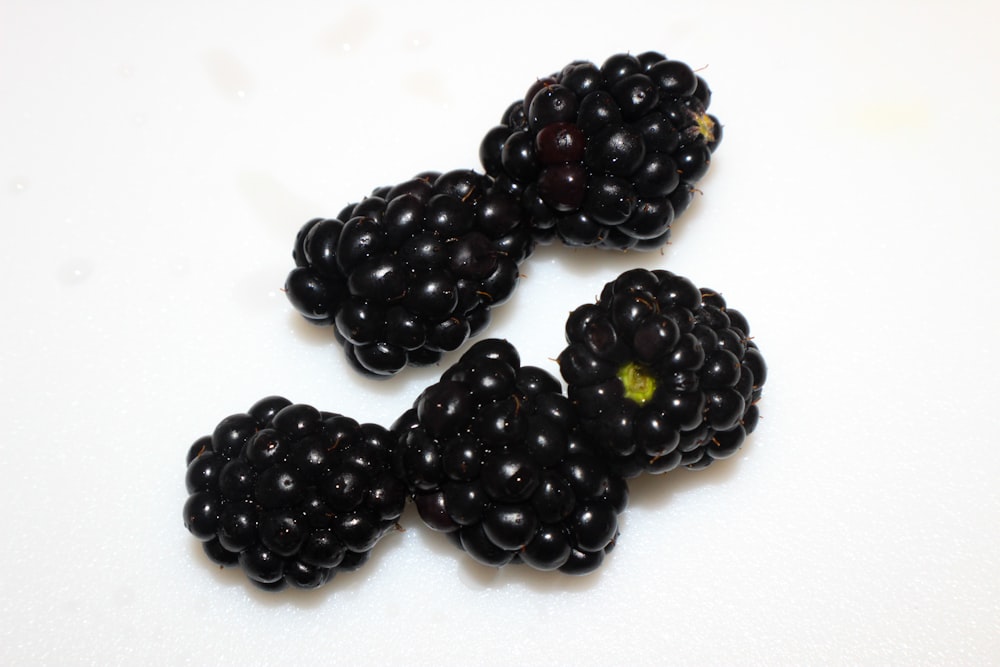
(706, 127)
(637, 381)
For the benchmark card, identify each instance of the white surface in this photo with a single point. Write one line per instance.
(155, 164)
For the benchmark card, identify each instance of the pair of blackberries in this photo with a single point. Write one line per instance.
(659, 374)
(603, 156)
(492, 454)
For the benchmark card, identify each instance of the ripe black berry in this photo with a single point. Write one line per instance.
(291, 494)
(412, 271)
(664, 373)
(639, 120)
(493, 456)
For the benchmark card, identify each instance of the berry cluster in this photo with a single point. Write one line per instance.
(411, 271)
(495, 458)
(291, 494)
(606, 155)
(495, 454)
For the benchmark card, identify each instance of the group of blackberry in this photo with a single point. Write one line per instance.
(659, 373)
(591, 156)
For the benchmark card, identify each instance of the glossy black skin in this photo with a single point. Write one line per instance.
(640, 121)
(290, 494)
(411, 271)
(707, 373)
(493, 456)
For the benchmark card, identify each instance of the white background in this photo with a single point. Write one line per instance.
(156, 162)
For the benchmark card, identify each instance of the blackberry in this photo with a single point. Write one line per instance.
(290, 494)
(664, 374)
(413, 270)
(493, 457)
(606, 155)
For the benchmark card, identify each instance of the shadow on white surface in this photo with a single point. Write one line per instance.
(657, 491)
(341, 584)
(476, 576)
(311, 334)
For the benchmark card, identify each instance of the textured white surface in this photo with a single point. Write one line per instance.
(156, 162)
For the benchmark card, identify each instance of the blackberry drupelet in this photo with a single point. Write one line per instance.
(290, 494)
(493, 457)
(411, 271)
(663, 373)
(606, 156)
